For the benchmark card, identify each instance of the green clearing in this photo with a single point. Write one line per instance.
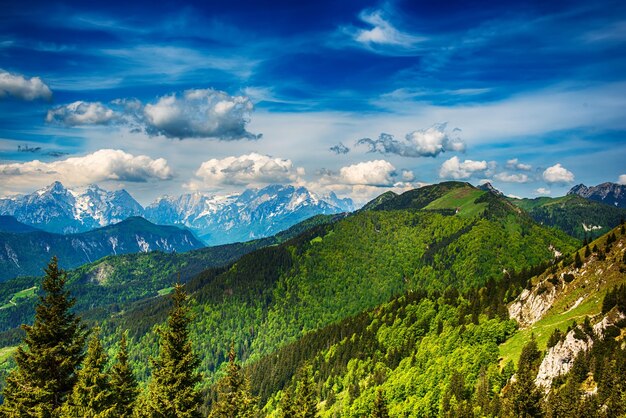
(165, 291)
(19, 296)
(462, 199)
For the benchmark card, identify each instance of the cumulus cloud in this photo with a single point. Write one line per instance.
(370, 173)
(202, 113)
(197, 113)
(428, 142)
(23, 88)
(339, 149)
(102, 165)
(514, 164)
(245, 170)
(542, 191)
(558, 174)
(511, 178)
(82, 113)
(622, 179)
(457, 169)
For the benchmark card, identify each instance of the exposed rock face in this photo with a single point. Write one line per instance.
(560, 358)
(610, 193)
(488, 187)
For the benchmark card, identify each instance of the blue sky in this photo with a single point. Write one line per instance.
(351, 97)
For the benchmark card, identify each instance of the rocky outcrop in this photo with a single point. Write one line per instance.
(560, 358)
(609, 193)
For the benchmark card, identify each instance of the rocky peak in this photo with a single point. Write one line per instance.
(608, 193)
(488, 187)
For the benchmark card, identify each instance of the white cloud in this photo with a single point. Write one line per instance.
(514, 164)
(23, 88)
(102, 165)
(455, 169)
(82, 113)
(622, 179)
(368, 173)
(558, 174)
(511, 178)
(383, 32)
(542, 191)
(199, 113)
(205, 113)
(428, 142)
(245, 170)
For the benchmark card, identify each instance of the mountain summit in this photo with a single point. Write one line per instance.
(608, 193)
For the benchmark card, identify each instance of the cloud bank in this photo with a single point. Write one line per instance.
(102, 165)
(245, 170)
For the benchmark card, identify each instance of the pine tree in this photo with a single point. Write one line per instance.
(380, 406)
(46, 366)
(587, 251)
(172, 388)
(234, 398)
(92, 395)
(524, 398)
(305, 400)
(123, 383)
(578, 263)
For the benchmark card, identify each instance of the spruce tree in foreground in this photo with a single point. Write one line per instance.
(172, 389)
(524, 397)
(234, 399)
(92, 395)
(52, 350)
(123, 383)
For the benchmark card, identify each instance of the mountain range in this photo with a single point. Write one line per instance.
(254, 213)
(25, 251)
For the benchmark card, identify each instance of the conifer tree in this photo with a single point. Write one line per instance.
(578, 263)
(305, 400)
(380, 406)
(52, 350)
(172, 388)
(123, 383)
(524, 398)
(234, 398)
(92, 396)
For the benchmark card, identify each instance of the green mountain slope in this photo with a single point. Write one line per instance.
(277, 294)
(577, 216)
(110, 284)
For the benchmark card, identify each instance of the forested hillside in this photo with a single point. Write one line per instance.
(579, 217)
(272, 296)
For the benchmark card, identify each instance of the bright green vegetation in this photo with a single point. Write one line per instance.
(581, 297)
(570, 212)
(275, 295)
(165, 291)
(20, 296)
(462, 201)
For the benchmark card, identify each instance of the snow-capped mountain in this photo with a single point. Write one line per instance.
(60, 210)
(216, 219)
(609, 193)
(255, 213)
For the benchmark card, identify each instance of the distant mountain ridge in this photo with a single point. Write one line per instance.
(255, 213)
(26, 253)
(609, 193)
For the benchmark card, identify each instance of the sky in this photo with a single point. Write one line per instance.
(352, 97)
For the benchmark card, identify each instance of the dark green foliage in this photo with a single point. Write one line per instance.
(379, 410)
(92, 395)
(615, 297)
(172, 390)
(587, 251)
(569, 213)
(523, 397)
(123, 383)
(577, 261)
(555, 338)
(303, 403)
(234, 399)
(46, 365)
